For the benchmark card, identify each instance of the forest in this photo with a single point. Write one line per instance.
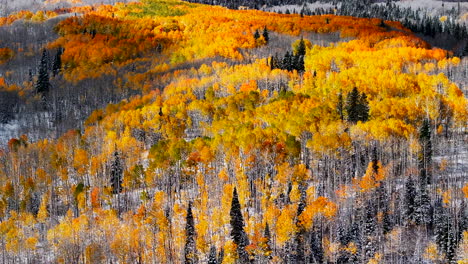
(166, 131)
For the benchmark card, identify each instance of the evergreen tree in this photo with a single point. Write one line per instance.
(237, 228)
(116, 171)
(288, 62)
(340, 106)
(265, 34)
(221, 255)
(43, 84)
(425, 156)
(352, 105)
(212, 257)
(316, 248)
(57, 64)
(190, 253)
(274, 62)
(267, 243)
(301, 48)
(446, 237)
(357, 106)
(299, 63)
(368, 232)
(465, 50)
(363, 108)
(256, 34)
(409, 202)
(423, 207)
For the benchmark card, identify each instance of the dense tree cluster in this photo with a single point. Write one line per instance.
(445, 33)
(206, 150)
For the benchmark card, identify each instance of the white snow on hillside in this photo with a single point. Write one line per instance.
(9, 6)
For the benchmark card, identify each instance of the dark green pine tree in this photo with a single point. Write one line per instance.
(43, 84)
(352, 105)
(238, 234)
(357, 106)
(382, 201)
(368, 232)
(274, 62)
(465, 50)
(212, 257)
(116, 171)
(363, 108)
(423, 206)
(462, 223)
(190, 251)
(267, 243)
(265, 34)
(288, 62)
(425, 156)
(409, 206)
(316, 247)
(340, 106)
(444, 231)
(256, 34)
(57, 64)
(301, 231)
(221, 255)
(301, 48)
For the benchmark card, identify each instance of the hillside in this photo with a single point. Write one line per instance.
(163, 131)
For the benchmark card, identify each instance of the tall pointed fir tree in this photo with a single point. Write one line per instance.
(340, 106)
(43, 84)
(265, 34)
(190, 251)
(116, 171)
(266, 243)
(425, 156)
(256, 34)
(238, 234)
(301, 231)
(423, 206)
(409, 202)
(212, 257)
(316, 248)
(444, 231)
(357, 106)
(57, 64)
(368, 232)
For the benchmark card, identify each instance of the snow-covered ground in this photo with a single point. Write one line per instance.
(311, 6)
(8, 131)
(433, 7)
(9, 6)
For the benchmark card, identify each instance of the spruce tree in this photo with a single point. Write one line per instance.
(409, 202)
(363, 108)
(265, 34)
(256, 34)
(423, 206)
(57, 64)
(43, 84)
(190, 253)
(116, 171)
(368, 232)
(352, 105)
(425, 156)
(212, 257)
(445, 232)
(301, 48)
(465, 50)
(267, 243)
(316, 247)
(238, 234)
(340, 106)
